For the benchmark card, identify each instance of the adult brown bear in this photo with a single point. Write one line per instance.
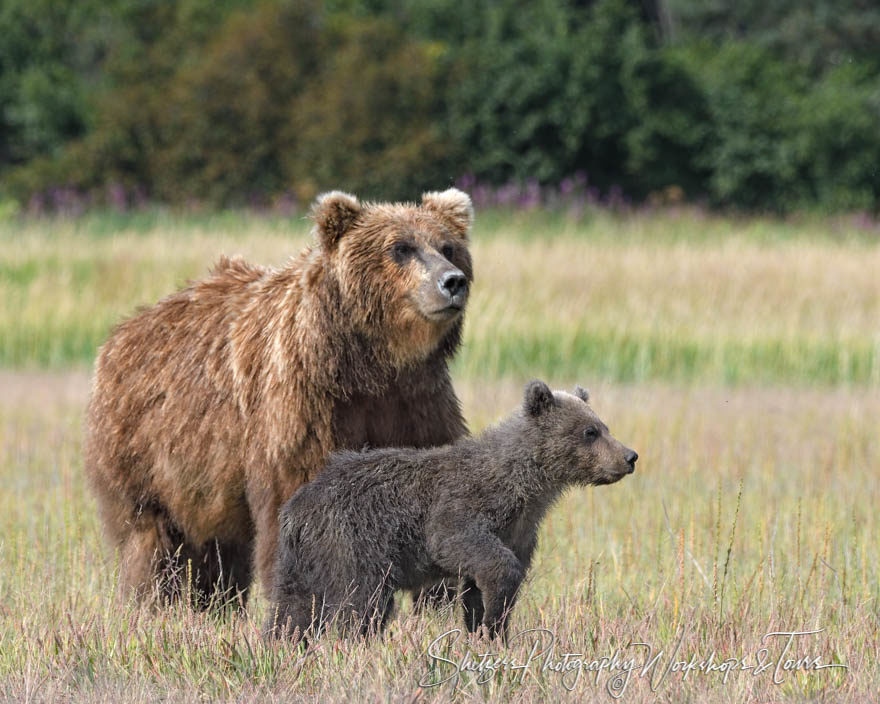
(210, 408)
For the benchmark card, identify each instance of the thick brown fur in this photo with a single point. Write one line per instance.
(210, 408)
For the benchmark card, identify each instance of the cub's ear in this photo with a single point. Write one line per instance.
(538, 398)
(452, 205)
(334, 214)
(582, 393)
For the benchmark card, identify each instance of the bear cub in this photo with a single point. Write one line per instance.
(381, 520)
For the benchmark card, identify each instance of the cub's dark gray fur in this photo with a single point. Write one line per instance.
(377, 521)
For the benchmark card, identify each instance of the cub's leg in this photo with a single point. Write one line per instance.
(297, 616)
(371, 618)
(472, 601)
(473, 551)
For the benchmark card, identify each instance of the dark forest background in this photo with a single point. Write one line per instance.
(753, 105)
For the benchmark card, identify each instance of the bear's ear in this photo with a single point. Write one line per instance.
(538, 398)
(334, 214)
(582, 393)
(452, 205)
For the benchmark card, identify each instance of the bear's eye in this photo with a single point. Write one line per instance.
(402, 251)
(448, 251)
(591, 433)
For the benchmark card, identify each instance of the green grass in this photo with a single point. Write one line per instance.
(677, 297)
(618, 356)
(558, 353)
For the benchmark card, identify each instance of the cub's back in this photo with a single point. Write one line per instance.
(383, 492)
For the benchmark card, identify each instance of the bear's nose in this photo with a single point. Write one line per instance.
(453, 284)
(631, 458)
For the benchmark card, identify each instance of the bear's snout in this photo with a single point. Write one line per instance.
(453, 285)
(631, 457)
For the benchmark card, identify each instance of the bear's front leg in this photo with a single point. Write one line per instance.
(499, 581)
(471, 550)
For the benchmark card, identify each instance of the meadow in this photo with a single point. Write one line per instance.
(741, 358)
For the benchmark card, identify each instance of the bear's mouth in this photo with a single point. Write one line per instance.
(447, 312)
(613, 476)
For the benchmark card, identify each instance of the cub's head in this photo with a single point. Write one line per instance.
(573, 442)
(403, 270)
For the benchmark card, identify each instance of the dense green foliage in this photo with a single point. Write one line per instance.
(816, 34)
(764, 106)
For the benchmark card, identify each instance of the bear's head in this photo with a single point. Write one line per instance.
(403, 270)
(572, 444)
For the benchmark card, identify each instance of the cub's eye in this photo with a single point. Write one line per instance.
(402, 251)
(448, 251)
(591, 433)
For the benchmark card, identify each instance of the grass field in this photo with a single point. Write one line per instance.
(741, 359)
(673, 298)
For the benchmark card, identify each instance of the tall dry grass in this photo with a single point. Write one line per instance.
(755, 349)
(671, 550)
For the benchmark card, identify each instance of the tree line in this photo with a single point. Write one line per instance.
(769, 105)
